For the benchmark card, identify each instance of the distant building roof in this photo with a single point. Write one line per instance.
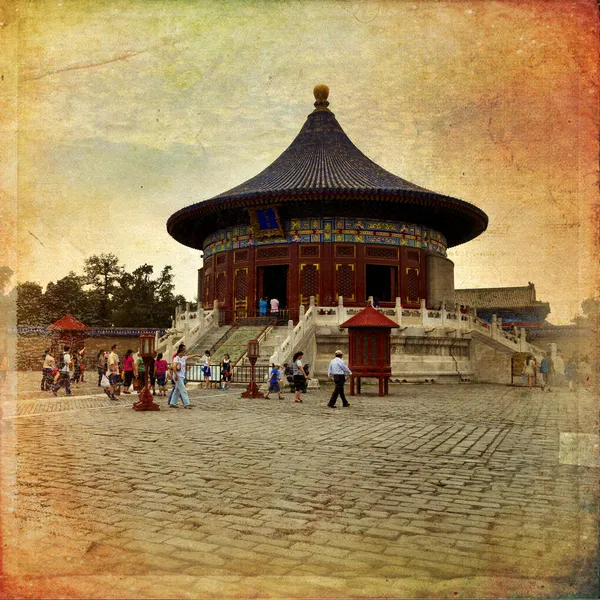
(323, 173)
(369, 317)
(502, 297)
(68, 323)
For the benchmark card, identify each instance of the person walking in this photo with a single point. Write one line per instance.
(128, 370)
(114, 376)
(206, 369)
(300, 375)
(76, 368)
(101, 365)
(529, 371)
(275, 381)
(47, 369)
(82, 363)
(571, 373)
(160, 368)
(338, 371)
(64, 373)
(559, 369)
(546, 371)
(179, 365)
(226, 372)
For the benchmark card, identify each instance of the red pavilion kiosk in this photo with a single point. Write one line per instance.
(369, 354)
(68, 331)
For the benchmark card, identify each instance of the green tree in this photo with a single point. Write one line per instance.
(102, 274)
(145, 302)
(67, 296)
(31, 309)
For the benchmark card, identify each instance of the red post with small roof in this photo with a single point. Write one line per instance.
(369, 355)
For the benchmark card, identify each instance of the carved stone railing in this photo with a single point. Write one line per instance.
(296, 335)
(430, 319)
(193, 329)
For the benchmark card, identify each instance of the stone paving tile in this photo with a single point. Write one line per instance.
(395, 496)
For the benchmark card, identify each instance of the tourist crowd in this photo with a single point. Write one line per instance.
(556, 371)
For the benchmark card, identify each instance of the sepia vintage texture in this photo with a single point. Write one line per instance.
(114, 114)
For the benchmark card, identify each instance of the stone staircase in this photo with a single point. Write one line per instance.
(208, 340)
(235, 343)
(274, 339)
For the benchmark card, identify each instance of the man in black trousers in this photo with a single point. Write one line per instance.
(338, 371)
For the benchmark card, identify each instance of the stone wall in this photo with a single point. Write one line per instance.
(415, 358)
(440, 281)
(30, 349)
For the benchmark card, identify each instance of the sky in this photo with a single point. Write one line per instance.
(124, 112)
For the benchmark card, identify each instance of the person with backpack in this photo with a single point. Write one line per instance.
(64, 373)
(275, 382)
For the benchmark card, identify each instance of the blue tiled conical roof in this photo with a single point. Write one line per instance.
(322, 173)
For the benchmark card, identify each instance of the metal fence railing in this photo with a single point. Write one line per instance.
(240, 374)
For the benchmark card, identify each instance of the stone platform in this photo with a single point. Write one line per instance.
(435, 491)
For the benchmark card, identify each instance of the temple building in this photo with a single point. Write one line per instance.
(323, 220)
(516, 306)
(325, 230)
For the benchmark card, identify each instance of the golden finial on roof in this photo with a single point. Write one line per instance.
(321, 93)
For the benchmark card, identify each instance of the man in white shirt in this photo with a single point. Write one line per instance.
(65, 374)
(338, 371)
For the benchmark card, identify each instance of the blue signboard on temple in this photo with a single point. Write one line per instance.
(267, 219)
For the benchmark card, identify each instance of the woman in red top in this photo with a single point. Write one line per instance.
(160, 368)
(128, 369)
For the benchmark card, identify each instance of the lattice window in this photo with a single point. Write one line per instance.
(207, 298)
(309, 282)
(207, 263)
(413, 255)
(221, 258)
(221, 286)
(309, 251)
(412, 285)
(241, 285)
(276, 252)
(241, 256)
(346, 251)
(345, 282)
(382, 252)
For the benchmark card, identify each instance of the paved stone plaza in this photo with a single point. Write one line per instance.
(435, 491)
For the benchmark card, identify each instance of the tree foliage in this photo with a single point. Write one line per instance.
(102, 273)
(106, 295)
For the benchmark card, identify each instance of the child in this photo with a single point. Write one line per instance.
(206, 369)
(275, 382)
(226, 372)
